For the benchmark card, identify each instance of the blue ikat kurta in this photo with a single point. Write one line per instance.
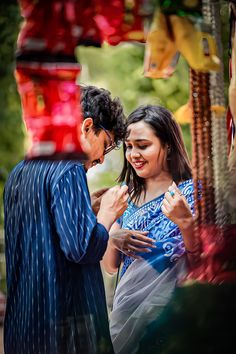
(53, 245)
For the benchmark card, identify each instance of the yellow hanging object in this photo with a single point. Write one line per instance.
(218, 110)
(161, 55)
(184, 114)
(198, 48)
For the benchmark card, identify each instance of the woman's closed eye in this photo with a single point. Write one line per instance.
(141, 147)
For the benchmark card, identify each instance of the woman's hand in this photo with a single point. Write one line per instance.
(131, 242)
(176, 208)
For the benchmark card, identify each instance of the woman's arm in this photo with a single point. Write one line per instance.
(112, 257)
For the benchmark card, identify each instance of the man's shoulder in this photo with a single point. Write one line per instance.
(60, 168)
(65, 169)
(49, 170)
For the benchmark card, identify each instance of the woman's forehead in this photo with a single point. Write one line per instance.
(139, 131)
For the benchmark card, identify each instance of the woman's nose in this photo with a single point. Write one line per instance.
(135, 152)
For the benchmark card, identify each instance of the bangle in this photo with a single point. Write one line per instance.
(191, 252)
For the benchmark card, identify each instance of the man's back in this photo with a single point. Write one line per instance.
(56, 301)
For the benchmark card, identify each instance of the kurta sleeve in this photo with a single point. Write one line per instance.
(82, 239)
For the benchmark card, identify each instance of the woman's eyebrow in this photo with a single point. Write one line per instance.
(138, 140)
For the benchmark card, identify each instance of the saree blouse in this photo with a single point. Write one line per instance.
(149, 217)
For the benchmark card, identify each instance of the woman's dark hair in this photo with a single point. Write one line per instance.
(105, 111)
(168, 131)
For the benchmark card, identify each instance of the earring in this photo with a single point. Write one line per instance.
(168, 152)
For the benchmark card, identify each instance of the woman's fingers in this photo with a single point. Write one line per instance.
(141, 237)
(136, 232)
(129, 253)
(164, 210)
(175, 189)
(139, 243)
(168, 197)
(139, 249)
(166, 204)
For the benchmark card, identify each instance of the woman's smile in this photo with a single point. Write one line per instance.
(138, 164)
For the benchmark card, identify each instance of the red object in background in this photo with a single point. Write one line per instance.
(51, 108)
(120, 20)
(76, 22)
(56, 27)
(218, 257)
(49, 95)
(230, 129)
(229, 117)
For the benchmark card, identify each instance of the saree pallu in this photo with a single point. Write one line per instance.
(146, 284)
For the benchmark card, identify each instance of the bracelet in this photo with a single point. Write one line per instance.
(191, 252)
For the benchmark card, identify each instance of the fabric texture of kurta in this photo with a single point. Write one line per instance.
(53, 245)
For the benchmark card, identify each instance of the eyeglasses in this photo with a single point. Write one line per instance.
(112, 144)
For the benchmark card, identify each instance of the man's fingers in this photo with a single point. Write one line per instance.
(124, 189)
(99, 192)
(126, 197)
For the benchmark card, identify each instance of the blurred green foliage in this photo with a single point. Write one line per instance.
(120, 69)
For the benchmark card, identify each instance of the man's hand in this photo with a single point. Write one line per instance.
(113, 204)
(131, 242)
(96, 198)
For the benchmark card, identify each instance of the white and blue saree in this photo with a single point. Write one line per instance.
(146, 284)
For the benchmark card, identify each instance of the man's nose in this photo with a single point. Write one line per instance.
(101, 160)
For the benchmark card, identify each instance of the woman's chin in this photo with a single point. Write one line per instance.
(141, 173)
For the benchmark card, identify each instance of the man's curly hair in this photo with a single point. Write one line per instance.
(98, 104)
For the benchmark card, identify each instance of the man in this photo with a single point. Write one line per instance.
(54, 242)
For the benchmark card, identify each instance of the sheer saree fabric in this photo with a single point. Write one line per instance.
(146, 284)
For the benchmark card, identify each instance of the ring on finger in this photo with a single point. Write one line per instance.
(172, 193)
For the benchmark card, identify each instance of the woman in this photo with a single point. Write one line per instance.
(156, 163)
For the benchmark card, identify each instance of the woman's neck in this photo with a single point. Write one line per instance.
(155, 186)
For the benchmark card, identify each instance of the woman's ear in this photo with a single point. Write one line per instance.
(87, 125)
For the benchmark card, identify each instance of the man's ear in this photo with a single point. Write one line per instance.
(87, 125)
